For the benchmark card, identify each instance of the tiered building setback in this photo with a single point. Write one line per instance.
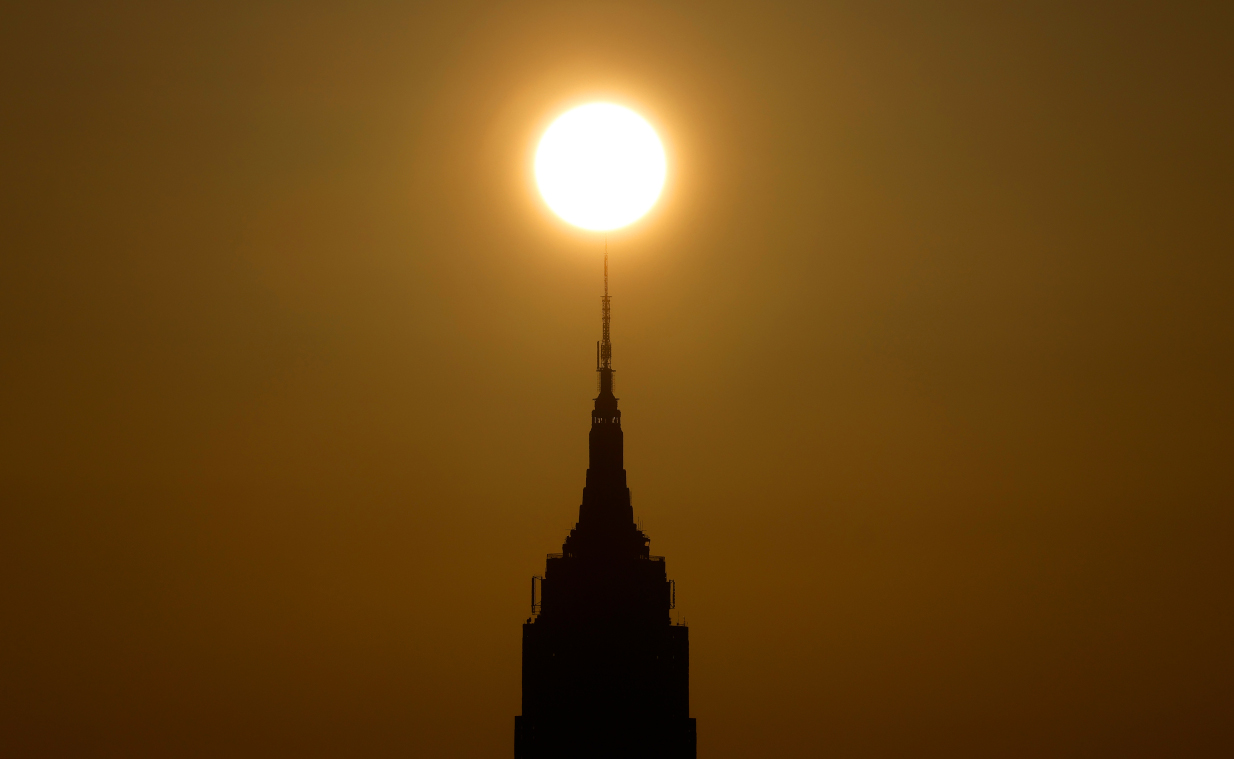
(606, 673)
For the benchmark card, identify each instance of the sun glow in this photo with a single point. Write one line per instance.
(600, 166)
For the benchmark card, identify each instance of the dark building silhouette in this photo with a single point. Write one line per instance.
(605, 672)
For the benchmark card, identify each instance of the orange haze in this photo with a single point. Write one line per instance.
(924, 356)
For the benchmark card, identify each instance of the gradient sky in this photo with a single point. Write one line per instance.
(924, 359)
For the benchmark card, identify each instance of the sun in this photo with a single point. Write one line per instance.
(600, 166)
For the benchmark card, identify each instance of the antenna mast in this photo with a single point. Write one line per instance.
(606, 347)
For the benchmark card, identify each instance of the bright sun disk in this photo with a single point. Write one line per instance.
(600, 166)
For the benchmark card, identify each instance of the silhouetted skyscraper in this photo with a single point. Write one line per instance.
(605, 672)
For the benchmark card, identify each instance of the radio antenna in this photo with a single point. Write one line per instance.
(606, 346)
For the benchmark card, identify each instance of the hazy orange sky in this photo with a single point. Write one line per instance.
(924, 360)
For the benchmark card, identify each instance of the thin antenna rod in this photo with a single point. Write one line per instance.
(606, 347)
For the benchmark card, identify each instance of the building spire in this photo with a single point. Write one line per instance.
(606, 474)
(606, 346)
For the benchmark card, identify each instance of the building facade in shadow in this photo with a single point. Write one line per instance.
(605, 671)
